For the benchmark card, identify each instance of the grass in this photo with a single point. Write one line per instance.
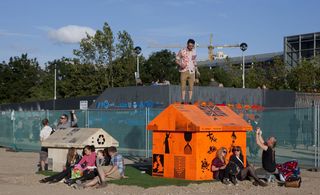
(136, 178)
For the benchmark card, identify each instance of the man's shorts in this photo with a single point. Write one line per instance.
(115, 175)
(187, 76)
(43, 155)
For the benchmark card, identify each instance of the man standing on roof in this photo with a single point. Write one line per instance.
(186, 59)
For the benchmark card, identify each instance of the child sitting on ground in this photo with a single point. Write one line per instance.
(100, 158)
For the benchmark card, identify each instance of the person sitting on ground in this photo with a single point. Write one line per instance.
(100, 158)
(245, 171)
(44, 134)
(65, 123)
(219, 164)
(72, 158)
(268, 156)
(89, 162)
(107, 157)
(112, 172)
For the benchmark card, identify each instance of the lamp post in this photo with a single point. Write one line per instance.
(137, 51)
(243, 47)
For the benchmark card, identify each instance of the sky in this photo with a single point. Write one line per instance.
(49, 30)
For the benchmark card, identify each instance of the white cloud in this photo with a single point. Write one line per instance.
(70, 33)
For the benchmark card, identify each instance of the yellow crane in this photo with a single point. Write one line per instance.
(210, 47)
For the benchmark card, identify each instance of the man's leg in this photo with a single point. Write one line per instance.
(183, 80)
(92, 183)
(191, 80)
(102, 172)
(43, 157)
(115, 175)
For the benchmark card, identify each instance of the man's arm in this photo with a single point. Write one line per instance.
(113, 169)
(259, 140)
(178, 58)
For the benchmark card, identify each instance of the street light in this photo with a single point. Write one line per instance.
(137, 51)
(243, 47)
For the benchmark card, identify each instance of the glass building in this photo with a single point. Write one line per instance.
(298, 47)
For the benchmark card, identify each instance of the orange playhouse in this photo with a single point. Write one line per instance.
(186, 137)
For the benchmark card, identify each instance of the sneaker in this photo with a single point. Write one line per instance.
(251, 179)
(271, 178)
(261, 183)
(226, 182)
(42, 181)
(182, 102)
(102, 185)
(190, 103)
(77, 186)
(234, 180)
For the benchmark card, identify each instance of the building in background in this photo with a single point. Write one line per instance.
(237, 61)
(299, 47)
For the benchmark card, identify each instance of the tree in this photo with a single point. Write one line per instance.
(125, 62)
(160, 66)
(305, 76)
(18, 76)
(276, 73)
(99, 50)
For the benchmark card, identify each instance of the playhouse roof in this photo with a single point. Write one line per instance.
(79, 137)
(178, 117)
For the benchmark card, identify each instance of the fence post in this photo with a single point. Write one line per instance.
(146, 131)
(317, 124)
(87, 118)
(13, 129)
(316, 134)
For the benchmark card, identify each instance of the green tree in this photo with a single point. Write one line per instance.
(125, 62)
(18, 76)
(305, 76)
(160, 66)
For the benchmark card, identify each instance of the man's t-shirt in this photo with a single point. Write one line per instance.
(45, 132)
(117, 160)
(269, 160)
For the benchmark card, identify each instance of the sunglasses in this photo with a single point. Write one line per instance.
(224, 152)
(236, 150)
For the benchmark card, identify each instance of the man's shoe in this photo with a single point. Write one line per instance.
(42, 181)
(102, 185)
(226, 182)
(190, 103)
(182, 102)
(234, 180)
(261, 183)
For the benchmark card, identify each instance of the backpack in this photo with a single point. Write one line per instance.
(52, 131)
(290, 173)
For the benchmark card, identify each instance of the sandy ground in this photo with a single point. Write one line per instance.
(17, 176)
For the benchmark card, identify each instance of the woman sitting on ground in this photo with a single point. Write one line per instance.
(247, 171)
(72, 158)
(87, 164)
(218, 166)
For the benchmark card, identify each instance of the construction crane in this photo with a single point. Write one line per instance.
(210, 47)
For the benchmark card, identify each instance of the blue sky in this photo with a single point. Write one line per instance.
(42, 28)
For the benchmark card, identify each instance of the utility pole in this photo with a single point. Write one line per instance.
(243, 47)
